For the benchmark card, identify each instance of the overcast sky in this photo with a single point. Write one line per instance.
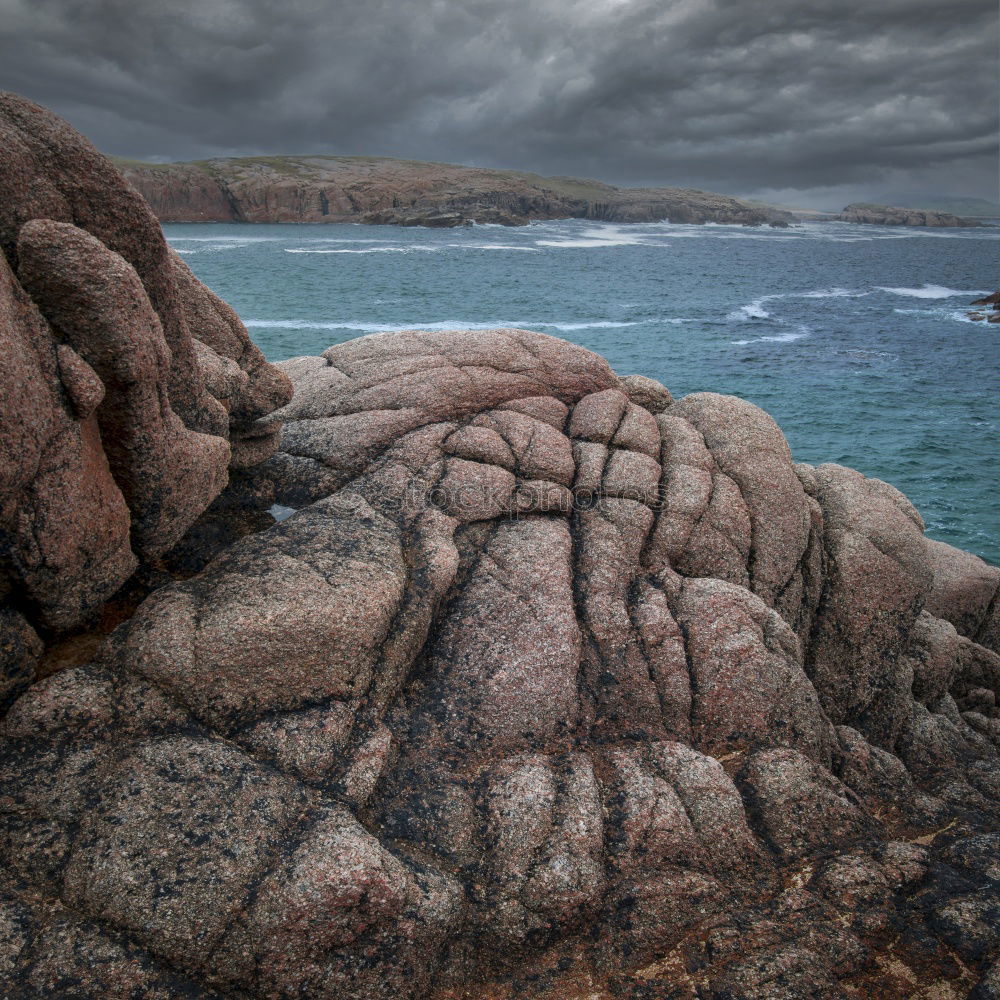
(803, 101)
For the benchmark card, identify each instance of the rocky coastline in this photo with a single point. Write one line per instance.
(987, 309)
(381, 191)
(551, 685)
(890, 215)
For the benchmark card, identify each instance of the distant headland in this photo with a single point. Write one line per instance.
(380, 190)
(894, 215)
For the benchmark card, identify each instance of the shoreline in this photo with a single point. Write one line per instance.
(382, 191)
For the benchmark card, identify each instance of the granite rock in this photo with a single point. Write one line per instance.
(127, 390)
(545, 676)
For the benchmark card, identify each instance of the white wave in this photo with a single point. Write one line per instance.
(491, 246)
(204, 245)
(332, 239)
(586, 244)
(698, 233)
(595, 325)
(412, 247)
(727, 231)
(288, 324)
(308, 324)
(929, 292)
(369, 250)
(456, 324)
(778, 338)
(958, 315)
(844, 232)
(755, 310)
(223, 239)
(606, 236)
(713, 230)
(951, 233)
(833, 293)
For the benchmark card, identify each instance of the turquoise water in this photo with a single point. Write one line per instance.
(853, 337)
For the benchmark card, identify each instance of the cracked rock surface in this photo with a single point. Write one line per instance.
(539, 686)
(128, 391)
(551, 686)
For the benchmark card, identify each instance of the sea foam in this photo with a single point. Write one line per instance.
(957, 315)
(754, 310)
(778, 338)
(609, 236)
(367, 250)
(455, 324)
(929, 292)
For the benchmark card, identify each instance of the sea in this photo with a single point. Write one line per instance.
(854, 338)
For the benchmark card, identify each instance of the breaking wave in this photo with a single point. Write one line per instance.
(457, 324)
(929, 292)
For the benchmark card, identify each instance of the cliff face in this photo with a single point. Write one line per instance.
(402, 192)
(891, 215)
(169, 187)
(405, 192)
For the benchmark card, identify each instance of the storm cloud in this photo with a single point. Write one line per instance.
(807, 100)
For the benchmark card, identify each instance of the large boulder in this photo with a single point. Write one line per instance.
(50, 171)
(536, 679)
(876, 578)
(64, 523)
(965, 592)
(127, 390)
(94, 301)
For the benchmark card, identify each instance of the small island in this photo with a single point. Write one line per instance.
(894, 215)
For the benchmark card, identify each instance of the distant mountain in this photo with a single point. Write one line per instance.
(407, 192)
(976, 208)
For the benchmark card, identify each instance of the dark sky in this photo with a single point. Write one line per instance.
(805, 101)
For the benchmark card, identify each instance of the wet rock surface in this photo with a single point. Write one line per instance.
(549, 686)
(988, 311)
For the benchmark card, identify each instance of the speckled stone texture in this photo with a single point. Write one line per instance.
(127, 390)
(552, 686)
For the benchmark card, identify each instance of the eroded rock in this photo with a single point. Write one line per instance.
(549, 683)
(127, 389)
(464, 732)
